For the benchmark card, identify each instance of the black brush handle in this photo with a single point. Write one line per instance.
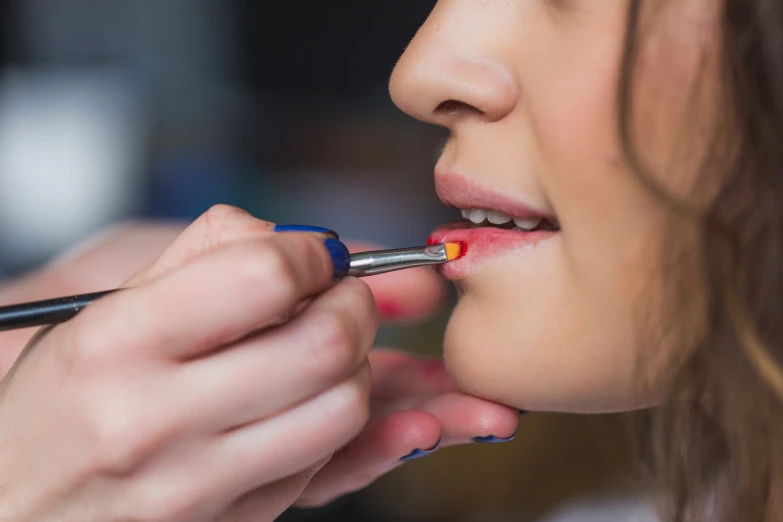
(41, 313)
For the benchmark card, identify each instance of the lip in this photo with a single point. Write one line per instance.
(486, 242)
(461, 192)
(481, 244)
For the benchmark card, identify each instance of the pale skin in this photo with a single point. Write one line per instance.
(206, 435)
(198, 415)
(561, 325)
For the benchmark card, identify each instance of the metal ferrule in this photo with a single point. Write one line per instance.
(382, 261)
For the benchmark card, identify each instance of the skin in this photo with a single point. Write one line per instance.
(565, 324)
(559, 326)
(246, 442)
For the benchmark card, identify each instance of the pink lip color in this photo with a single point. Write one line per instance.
(461, 192)
(482, 243)
(486, 242)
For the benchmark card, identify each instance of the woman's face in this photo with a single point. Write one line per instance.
(556, 314)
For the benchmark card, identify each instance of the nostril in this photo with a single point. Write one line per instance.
(448, 107)
(451, 107)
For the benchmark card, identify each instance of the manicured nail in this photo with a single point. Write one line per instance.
(491, 439)
(306, 228)
(417, 453)
(341, 259)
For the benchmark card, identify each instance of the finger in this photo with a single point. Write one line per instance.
(220, 225)
(102, 262)
(270, 501)
(437, 422)
(281, 367)
(213, 300)
(397, 374)
(405, 295)
(464, 418)
(379, 449)
(285, 444)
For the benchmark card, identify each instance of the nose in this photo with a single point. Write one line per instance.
(444, 78)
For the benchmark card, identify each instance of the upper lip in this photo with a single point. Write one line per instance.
(464, 193)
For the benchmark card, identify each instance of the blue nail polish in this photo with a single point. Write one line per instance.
(417, 453)
(491, 439)
(341, 259)
(305, 228)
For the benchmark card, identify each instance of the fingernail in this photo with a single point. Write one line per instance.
(491, 439)
(417, 453)
(341, 259)
(306, 228)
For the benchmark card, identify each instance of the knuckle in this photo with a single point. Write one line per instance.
(118, 449)
(364, 301)
(220, 214)
(333, 350)
(314, 251)
(97, 342)
(270, 264)
(221, 221)
(83, 351)
(351, 403)
(123, 438)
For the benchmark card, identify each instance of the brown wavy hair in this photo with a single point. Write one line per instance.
(718, 456)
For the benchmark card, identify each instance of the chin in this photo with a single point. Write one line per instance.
(492, 354)
(478, 360)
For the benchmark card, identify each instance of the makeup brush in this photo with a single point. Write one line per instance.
(61, 309)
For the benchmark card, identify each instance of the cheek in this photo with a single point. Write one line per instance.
(677, 104)
(573, 108)
(544, 342)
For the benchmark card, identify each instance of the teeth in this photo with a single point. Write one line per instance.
(497, 218)
(477, 215)
(527, 224)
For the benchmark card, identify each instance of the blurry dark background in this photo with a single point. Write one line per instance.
(118, 109)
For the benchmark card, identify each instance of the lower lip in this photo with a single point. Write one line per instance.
(481, 244)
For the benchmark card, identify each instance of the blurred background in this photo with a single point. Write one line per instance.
(120, 109)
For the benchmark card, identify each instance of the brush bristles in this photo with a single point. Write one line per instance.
(453, 251)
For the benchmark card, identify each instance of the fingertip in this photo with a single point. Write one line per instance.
(419, 453)
(467, 418)
(492, 439)
(412, 434)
